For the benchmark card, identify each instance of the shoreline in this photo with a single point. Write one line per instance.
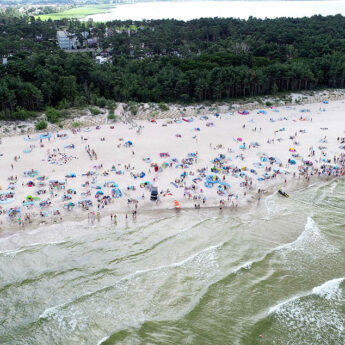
(247, 206)
(225, 160)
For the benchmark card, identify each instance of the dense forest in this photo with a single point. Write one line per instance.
(167, 60)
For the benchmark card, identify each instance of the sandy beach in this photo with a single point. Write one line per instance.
(224, 160)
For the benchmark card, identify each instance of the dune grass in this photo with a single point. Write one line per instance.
(78, 12)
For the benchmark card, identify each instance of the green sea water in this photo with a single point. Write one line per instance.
(272, 274)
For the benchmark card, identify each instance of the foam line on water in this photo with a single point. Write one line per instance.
(166, 239)
(49, 312)
(309, 227)
(29, 247)
(329, 290)
(103, 340)
(246, 265)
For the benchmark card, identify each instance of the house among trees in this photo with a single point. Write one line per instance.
(66, 40)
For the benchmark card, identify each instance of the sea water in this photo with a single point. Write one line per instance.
(188, 10)
(271, 274)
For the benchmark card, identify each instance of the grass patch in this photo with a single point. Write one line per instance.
(94, 111)
(76, 124)
(41, 125)
(78, 12)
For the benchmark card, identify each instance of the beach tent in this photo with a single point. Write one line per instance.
(244, 112)
(31, 173)
(263, 112)
(69, 205)
(116, 193)
(62, 135)
(46, 136)
(188, 120)
(110, 184)
(128, 143)
(28, 203)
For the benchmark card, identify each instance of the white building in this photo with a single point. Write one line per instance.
(101, 60)
(66, 40)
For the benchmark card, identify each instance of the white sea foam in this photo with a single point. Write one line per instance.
(53, 312)
(305, 317)
(330, 290)
(310, 238)
(103, 340)
(13, 252)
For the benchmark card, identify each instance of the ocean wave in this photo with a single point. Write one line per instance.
(30, 247)
(330, 290)
(311, 237)
(103, 340)
(52, 311)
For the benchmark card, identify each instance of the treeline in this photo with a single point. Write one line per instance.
(167, 61)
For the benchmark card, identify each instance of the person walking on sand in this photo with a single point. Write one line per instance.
(115, 219)
(98, 217)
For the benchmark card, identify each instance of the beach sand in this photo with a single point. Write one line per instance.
(239, 142)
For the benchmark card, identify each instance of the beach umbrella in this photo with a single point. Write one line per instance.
(264, 112)
(291, 149)
(239, 139)
(29, 197)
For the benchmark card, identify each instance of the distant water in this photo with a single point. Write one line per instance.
(198, 277)
(187, 10)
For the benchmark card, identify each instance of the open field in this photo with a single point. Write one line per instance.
(78, 12)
